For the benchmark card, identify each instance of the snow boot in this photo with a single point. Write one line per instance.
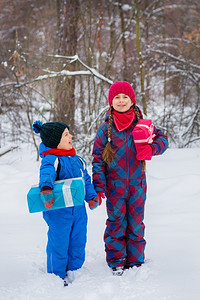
(69, 278)
(65, 281)
(118, 271)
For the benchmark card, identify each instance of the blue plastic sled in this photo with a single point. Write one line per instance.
(68, 192)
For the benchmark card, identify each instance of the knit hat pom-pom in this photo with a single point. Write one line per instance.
(37, 125)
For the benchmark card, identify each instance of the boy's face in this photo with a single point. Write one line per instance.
(65, 141)
(122, 103)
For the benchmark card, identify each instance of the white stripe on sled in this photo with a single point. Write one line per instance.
(142, 141)
(67, 194)
(142, 125)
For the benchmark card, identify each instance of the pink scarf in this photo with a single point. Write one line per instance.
(123, 120)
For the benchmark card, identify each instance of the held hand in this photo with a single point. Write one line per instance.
(101, 197)
(144, 152)
(93, 203)
(143, 133)
(47, 197)
(143, 136)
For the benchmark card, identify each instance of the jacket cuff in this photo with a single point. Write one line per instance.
(45, 188)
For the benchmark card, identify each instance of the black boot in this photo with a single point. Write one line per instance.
(118, 271)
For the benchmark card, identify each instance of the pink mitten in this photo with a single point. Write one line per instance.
(143, 135)
(101, 197)
(144, 152)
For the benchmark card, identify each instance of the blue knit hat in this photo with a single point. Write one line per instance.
(50, 133)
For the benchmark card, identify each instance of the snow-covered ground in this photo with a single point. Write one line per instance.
(172, 218)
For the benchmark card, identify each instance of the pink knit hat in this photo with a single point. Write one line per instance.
(121, 87)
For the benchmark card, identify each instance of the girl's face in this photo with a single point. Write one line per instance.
(122, 103)
(65, 141)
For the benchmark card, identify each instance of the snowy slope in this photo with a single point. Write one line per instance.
(172, 218)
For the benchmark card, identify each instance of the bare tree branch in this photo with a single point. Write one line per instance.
(6, 149)
(62, 73)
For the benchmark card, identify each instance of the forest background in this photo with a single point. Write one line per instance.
(58, 59)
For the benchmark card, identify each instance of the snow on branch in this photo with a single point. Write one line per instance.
(62, 73)
(152, 10)
(92, 71)
(175, 58)
(46, 76)
(102, 112)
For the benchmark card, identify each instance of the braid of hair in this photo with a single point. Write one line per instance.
(108, 151)
(137, 113)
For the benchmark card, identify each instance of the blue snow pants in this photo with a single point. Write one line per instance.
(66, 239)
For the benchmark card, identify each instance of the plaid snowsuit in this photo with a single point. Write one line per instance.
(124, 184)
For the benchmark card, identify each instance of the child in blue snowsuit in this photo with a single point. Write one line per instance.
(119, 154)
(67, 226)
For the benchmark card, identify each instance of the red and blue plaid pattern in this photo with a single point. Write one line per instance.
(124, 184)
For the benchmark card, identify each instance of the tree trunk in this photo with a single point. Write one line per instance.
(139, 53)
(124, 67)
(65, 91)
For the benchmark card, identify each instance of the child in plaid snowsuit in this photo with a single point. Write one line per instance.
(119, 172)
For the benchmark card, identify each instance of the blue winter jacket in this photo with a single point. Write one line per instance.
(72, 166)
